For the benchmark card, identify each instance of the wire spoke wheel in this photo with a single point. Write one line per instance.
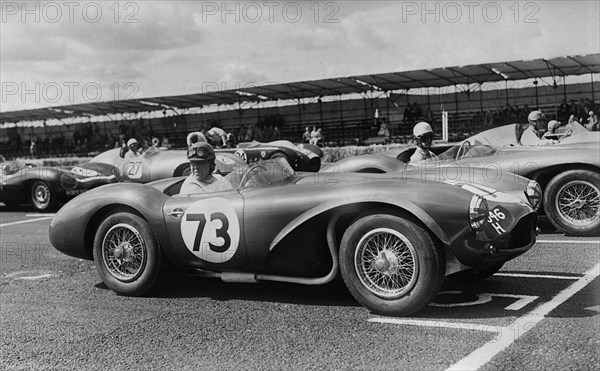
(124, 252)
(40, 195)
(578, 202)
(390, 264)
(386, 263)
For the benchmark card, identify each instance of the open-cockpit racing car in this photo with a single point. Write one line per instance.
(393, 237)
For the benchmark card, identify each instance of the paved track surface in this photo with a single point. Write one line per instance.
(540, 312)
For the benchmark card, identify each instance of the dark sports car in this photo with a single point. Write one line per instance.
(393, 238)
(46, 187)
(302, 157)
(568, 173)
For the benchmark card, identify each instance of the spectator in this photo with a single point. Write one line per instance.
(315, 136)
(217, 137)
(592, 121)
(32, 148)
(383, 129)
(306, 135)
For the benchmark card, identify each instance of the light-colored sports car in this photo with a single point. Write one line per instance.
(568, 172)
(159, 165)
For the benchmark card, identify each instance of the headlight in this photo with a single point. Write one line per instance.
(534, 194)
(478, 212)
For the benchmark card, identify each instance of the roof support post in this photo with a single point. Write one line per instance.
(592, 82)
(537, 103)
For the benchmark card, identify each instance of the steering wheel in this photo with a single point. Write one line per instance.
(463, 149)
(252, 172)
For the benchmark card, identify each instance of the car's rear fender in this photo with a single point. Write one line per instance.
(87, 211)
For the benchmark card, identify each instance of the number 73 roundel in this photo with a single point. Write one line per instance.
(211, 230)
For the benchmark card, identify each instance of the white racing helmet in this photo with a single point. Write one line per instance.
(422, 128)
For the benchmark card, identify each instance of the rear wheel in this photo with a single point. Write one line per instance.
(42, 198)
(390, 264)
(572, 202)
(126, 254)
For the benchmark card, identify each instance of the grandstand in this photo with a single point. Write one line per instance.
(476, 97)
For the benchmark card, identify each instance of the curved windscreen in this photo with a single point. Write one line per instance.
(262, 173)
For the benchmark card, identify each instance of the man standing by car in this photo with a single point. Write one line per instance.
(423, 135)
(202, 165)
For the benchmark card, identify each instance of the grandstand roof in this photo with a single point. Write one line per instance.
(436, 77)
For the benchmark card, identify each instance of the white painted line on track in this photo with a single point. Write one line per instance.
(26, 221)
(455, 325)
(570, 241)
(484, 354)
(527, 275)
(40, 214)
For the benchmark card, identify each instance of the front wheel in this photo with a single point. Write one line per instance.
(42, 198)
(390, 265)
(572, 202)
(126, 254)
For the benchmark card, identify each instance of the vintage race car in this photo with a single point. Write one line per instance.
(46, 187)
(393, 238)
(510, 135)
(569, 174)
(158, 165)
(302, 157)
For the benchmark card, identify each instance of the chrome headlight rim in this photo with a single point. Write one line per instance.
(478, 213)
(534, 194)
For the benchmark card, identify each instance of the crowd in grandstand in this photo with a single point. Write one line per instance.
(91, 136)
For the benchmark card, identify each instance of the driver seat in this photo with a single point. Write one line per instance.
(406, 155)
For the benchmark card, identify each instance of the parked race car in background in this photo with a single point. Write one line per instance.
(393, 237)
(159, 165)
(46, 187)
(568, 173)
(510, 135)
(301, 157)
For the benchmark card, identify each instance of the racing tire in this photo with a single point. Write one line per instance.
(127, 254)
(42, 198)
(572, 202)
(475, 274)
(390, 265)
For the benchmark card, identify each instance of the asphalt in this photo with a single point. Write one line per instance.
(55, 313)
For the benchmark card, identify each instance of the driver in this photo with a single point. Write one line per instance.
(532, 136)
(202, 164)
(424, 136)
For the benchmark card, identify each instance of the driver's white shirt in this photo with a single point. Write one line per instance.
(529, 138)
(422, 155)
(217, 183)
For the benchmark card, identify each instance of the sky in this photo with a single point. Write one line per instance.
(67, 52)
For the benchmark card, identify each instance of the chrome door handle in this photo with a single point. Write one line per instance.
(178, 213)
